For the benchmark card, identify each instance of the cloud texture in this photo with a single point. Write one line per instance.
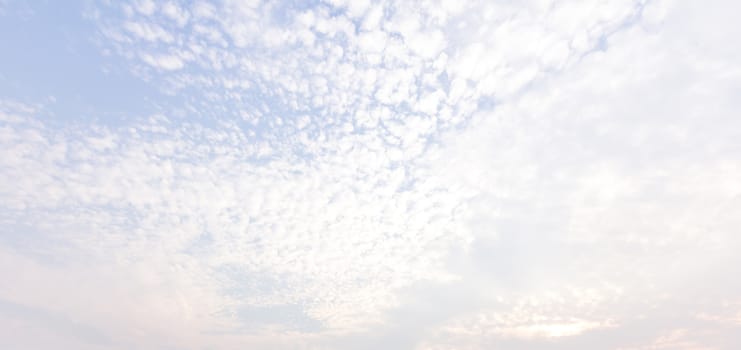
(383, 175)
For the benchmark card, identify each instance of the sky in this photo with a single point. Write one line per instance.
(360, 174)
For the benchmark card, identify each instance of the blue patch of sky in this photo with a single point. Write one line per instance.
(49, 57)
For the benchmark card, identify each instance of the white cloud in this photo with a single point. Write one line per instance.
(397, 175)
(176, 13)
(125, 199)
(167, 62)
(145, 7)
(148, 32)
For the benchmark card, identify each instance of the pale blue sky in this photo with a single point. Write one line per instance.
(49, 51)
(358, 174)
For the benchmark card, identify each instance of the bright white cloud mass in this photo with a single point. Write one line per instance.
(356, 174)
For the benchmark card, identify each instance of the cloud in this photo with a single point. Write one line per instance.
(172, 206)
(387, 175)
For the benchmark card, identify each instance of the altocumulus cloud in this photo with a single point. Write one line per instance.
(370, 175)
